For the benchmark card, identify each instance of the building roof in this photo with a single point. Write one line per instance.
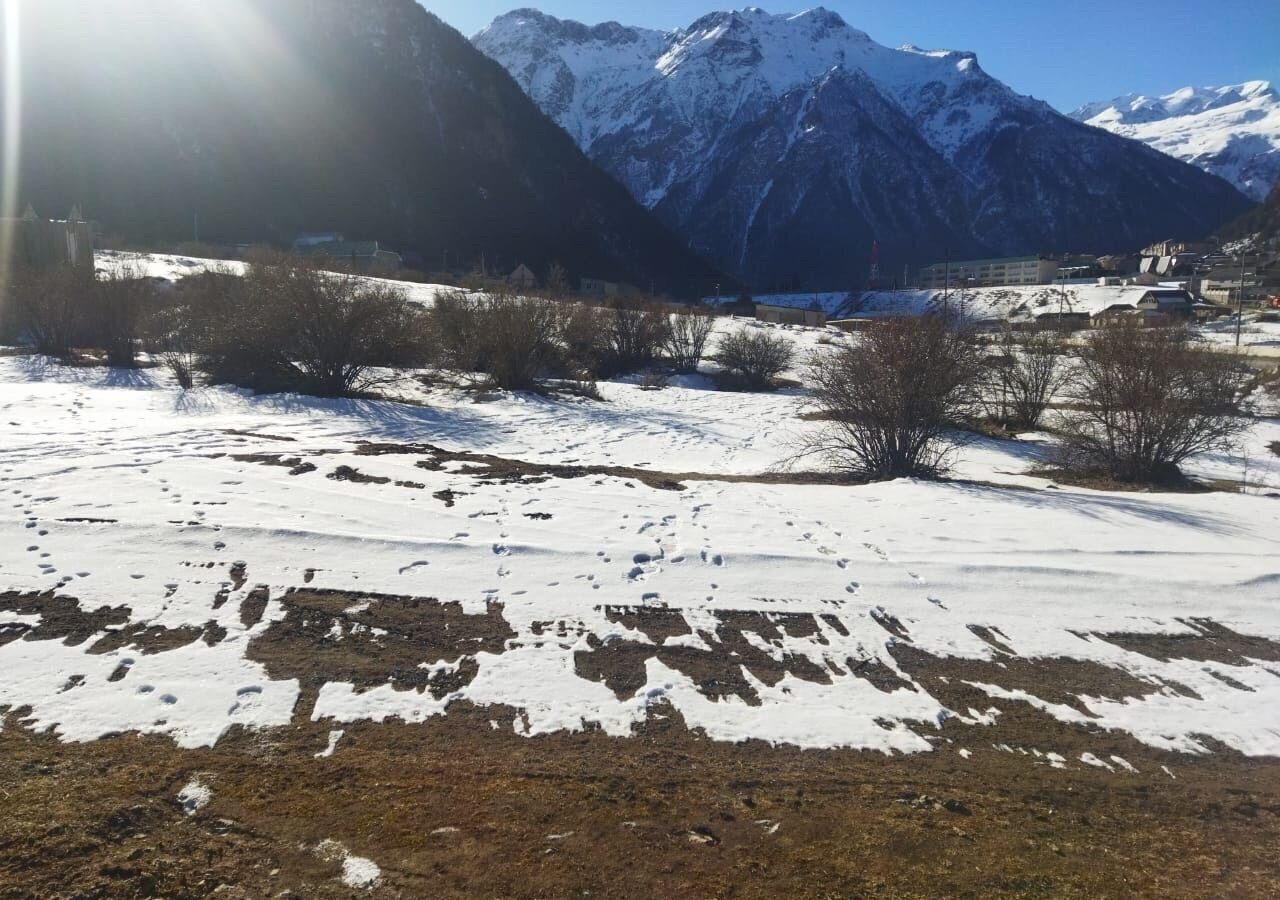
(343, 249)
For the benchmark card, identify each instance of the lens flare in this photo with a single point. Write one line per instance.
(11, 144)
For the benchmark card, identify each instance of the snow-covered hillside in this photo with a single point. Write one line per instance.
(783, 146)
(189, 526)
(1231, 131)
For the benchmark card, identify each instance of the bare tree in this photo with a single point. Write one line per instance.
(686, 339)
(1149, 399)
(1027, 370)
(755, 357)
(890, 401)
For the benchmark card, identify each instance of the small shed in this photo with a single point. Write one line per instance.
(523, 278)
(1067, 321)
(790, 315)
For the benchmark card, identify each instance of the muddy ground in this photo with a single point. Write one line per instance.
(461, 806)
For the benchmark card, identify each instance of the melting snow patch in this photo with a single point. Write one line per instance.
(1090, 760)
(334, 737)
(1124, 764)
(357, 872)
(194, 797)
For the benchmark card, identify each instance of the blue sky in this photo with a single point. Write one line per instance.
(1067, 52)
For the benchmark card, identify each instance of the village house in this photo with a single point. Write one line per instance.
(37, 243)
(361, 256)
(522, 278)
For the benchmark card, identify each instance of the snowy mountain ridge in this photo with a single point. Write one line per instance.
(1232, 131)
(782, 146)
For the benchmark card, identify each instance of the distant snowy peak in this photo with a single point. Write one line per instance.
(1231, 131)
(588, 77)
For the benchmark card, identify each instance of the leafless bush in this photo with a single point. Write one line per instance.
(218, 317)
(513, 340)
(1026, 371)
(1149, 400)
(633, 338)
(47, 307)
(344, 329)
(583, 330)
(114, 319)
(890, 400)
(288, 327)
(685, 341)
(755, 357)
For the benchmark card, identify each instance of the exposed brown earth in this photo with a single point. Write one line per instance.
(461, 806)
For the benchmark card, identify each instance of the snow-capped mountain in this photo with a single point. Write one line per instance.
(783, 146)
(1231, 131)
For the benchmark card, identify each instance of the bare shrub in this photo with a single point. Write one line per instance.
(343, 329)
(633, 338)
(686, 337)
(756, 357)
(521, 340)
(511, 339)
(114, 320)
(47, 307)
(583, 331)
(239, 341)
(890, 400)
(457, 331)
(1149, 399)
(1027, 370)
(167, 333)
(289, 327)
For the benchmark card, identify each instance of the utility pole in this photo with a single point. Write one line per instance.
(1062, 299)
(195, 226)
(446, 261)
(1240, 303)
(946, 287)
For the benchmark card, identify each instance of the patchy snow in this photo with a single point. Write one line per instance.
(332, 746)
(123, 491)
(194, 797)
(357, 871)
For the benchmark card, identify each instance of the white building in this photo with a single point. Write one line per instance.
(1018, 270)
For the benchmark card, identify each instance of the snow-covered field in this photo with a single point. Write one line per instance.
(174, 268)
(122, 491)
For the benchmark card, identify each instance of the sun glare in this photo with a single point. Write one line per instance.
(11, 147)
